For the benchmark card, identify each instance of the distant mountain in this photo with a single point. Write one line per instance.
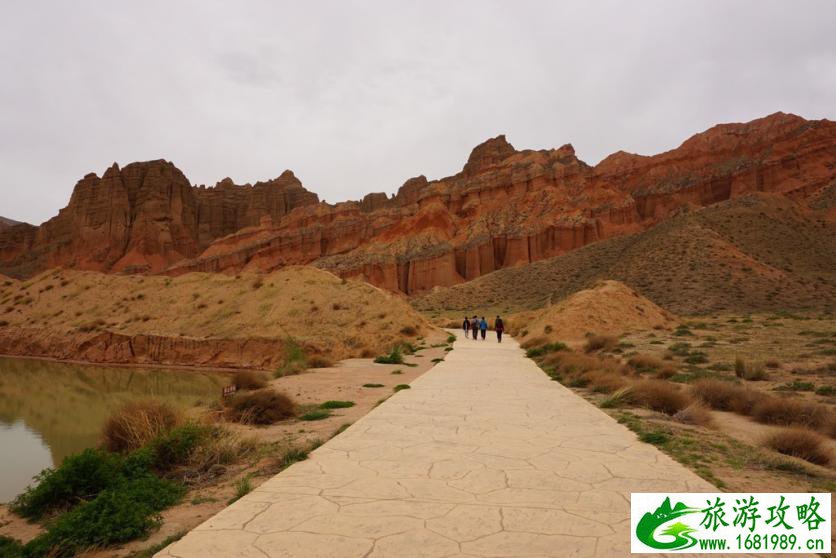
(505, 208)
(759, 252)
(4, 222)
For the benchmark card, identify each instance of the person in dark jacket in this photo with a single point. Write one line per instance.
(466, 327)
(474, 327)
(499, 327)
(483, 327)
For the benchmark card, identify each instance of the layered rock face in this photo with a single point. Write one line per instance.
(505, 208)
(144, 217)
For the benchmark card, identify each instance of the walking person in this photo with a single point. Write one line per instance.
(499, 327)
(474, 327)
(483, 327)
(466, 327)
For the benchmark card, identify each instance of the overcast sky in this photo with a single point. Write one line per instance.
(356, 97)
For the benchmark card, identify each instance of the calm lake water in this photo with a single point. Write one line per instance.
(49, 410)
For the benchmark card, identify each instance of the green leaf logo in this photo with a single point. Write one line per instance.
(681, 533)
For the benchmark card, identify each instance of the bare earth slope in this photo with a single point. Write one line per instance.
(755, 253)
(505, 208)
(201, 319)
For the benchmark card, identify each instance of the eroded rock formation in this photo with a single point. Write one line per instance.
(505, 208)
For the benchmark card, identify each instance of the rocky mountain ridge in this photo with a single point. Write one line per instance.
(505, 208)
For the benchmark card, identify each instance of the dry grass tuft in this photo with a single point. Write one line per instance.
(800, 442)
(646, 363)
(726, 396)
(695, 414)
(249, 380)
(137, 423)
(784, 411)
(660, 395)
(264, 406)
(600, 343)
(752, 371)
(604, 382)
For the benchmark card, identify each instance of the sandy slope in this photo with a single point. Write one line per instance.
(197, 318)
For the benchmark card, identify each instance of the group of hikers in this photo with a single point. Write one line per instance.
(474, 326)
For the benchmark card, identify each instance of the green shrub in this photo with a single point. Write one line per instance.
(400, 387)
(294, 359)
(336, 404)
(536, 352)
(696, 357)
(174, 448)
(80, 477)
(126, 511)
(372, 385)
(316, 414)
(243, 486)
(825, 390)
(451, 338)
(394, 357)
(654, 437)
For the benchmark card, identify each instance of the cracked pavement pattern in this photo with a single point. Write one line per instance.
(484, 456)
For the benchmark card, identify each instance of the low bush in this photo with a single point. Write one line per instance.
(394, 357)
(694, 414)
(753, 371)
(547, 348)
(681, 349)
(696, 357)
(315, 414)
(320, 361)
(294, 362)
(726, 396)
(336, 404)
(660, 396)
(604, 382)
(372, 385)
(451, 338)
(534, 342)
(785, 411)
(175, 447)
(401, 387)
(80, 477)
(249, 380)
(136, 423)
(600, 343)
(618, 398)
(800, 442)
(264, 406)
(645, 363)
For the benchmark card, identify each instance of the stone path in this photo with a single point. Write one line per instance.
(484, 456)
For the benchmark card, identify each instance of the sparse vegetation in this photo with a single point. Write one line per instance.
(333, 404)
(136, 423)
(660, 395)
(401, 387)
(600, 343)
(315, 414)
(264, 406)
(372, 385)
(249, 380)
(801, 443)
(394, 357)
(294, 359)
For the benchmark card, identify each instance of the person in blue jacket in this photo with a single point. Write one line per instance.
(483, 327)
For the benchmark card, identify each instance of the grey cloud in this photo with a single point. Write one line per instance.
(359, 96)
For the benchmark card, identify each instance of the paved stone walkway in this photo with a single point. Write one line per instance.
(484, 456)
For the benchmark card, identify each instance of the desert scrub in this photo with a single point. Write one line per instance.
(333, 404)
(401, 387)
(372, 385)
(243, 486)
(135, 424)
(600, 343)
(451, 338)
(801, 443)
(536, 352)
(394, 357)
(249, 380)
(263, 407)
(660, 395)
(294, 359)
(315, 414)
(753, 371)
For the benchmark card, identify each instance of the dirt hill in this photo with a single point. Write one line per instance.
(608, 308)
(202, 319)
(505, 208)
(756, 253)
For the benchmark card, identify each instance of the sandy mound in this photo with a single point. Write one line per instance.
(321, 312)
(609, 308)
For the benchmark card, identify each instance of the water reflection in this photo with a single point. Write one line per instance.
(49, 410)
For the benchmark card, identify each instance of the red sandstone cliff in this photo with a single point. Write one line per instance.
(505, 208)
